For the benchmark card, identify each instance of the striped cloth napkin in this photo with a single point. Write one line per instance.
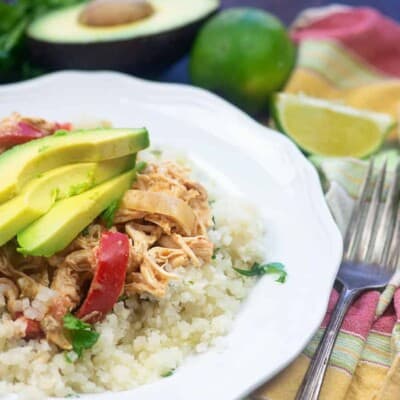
(350, 55)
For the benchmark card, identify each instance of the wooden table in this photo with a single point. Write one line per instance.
(286, 10)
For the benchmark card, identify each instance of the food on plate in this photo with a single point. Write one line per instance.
(122, 275)
(57, 228)
(22, 163)
(328, 128)
(131, 35)
(40, 194)
(16, 129)
(243, 54)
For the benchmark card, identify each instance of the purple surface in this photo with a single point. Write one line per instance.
(286, 10)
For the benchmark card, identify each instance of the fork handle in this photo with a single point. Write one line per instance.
(312, 382)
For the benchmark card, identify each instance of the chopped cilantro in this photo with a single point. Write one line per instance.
(108, 214)
(43, 148)
(141, 166)
(85, 232)
(213, 220)
(79, 188)
(60, 132)
(211, 202)
(168, 373)
(265, 269)
(82, 336)
(156, 152)
(214, 256)
(123, 297)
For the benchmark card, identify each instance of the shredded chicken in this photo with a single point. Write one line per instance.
(165, 215)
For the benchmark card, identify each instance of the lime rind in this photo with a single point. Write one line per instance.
(384, 123)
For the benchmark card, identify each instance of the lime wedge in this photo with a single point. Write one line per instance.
(330, 129)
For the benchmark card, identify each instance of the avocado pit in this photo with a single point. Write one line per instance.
(105, 13)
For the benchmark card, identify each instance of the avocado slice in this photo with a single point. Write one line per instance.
(142, 47)
(25, 162)
(67, 218)
(41, 193)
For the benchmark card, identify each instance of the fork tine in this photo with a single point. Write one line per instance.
(388, 231)
(394, 251)
(365, 249)
(352, 238)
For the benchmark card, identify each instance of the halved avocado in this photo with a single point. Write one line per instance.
(153, 39)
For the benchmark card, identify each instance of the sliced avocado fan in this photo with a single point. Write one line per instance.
(25, 162)
(67, 218)
(41, 193)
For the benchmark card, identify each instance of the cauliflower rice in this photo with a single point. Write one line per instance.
(144, 339)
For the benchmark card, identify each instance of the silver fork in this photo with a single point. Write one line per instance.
(371, 254)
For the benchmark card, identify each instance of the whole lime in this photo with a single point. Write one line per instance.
(243, 54)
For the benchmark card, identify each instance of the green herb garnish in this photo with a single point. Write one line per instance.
(60, 132)
(123, 297)
(140, 166)
(82, 335)
(216, 250)
(108, 214)
(79, 188)
(168, 373)
(14, 20)
(43, 148)
(265, 269)
(156, 152)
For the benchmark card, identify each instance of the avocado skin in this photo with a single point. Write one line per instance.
(145, 56)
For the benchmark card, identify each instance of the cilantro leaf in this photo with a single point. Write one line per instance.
(156, 152)
(168, 373)
(61, 132)
(140, 166)
(82, 335)
(14, 20)
(83, 340)
(265, 269)
(214, 256)
(72, 323)
(108, 214)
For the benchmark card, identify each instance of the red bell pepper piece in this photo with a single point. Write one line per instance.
(33, 329)
(109, 278)
(18, 132)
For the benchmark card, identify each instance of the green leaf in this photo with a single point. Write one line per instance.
(108, 214)
(156, 152)
(83, 340)
(60, 132)
(214, 256)
(265, 269)
(168, 373)
(123, 297)
(82, 335)
(72, 323)
(14, 20)
(140, 166)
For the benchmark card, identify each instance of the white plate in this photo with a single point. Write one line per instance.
(276, 321)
